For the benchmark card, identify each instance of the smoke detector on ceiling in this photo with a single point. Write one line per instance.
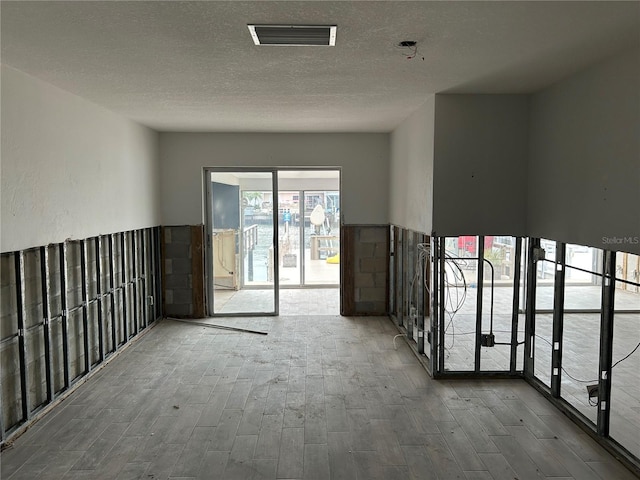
(294, 35)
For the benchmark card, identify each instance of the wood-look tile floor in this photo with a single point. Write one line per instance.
(319, 397)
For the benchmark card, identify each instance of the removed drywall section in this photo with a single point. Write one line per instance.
(70, 169)
(411, 170)
(64, 309)
(481, 153)
(365, 269)
(363, 158)
(584, 174)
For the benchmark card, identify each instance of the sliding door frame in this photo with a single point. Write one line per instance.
(208, 225)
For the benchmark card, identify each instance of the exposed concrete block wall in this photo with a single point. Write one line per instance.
(183, 273)
(62, 302)
(365, 265)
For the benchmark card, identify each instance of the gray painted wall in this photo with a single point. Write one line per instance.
(481, 150)
(362, 157)
(411, 170)
(584, 174)
(71, 169)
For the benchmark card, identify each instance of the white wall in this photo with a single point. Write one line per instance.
(70, 169)
(481, 152)
(411, 170)
(362, 157)
(584, 174)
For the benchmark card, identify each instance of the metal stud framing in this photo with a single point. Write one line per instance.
(530, 318)
(606, 342)
(435, 304)
(479, 299)
(112, 296)
(123, 286)
(399, 239)
(441, 316)
(99, 296)
(22, 344)
(46, 315)
(85, 306)
(65, 312)
(436, 361)
(515, 307)
(420, 297)
(143, 264)
(558, 320)
(134, 282)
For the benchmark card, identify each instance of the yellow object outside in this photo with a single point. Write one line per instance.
(334, 259)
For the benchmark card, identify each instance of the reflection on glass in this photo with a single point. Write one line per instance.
(289, 230)
(242, 247)
(322, 237)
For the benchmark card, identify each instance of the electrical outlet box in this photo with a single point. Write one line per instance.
(488, 340)
(592, 390)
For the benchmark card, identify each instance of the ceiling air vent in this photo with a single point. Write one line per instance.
(294, 35)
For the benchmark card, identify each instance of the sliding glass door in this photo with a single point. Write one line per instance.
(242, 251)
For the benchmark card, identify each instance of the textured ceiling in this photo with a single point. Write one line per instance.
(192, 65)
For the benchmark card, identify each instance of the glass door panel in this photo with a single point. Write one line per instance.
(289, 234)
(241, 252)
(321, 237)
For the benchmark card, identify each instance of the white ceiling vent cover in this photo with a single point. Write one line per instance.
(294, 35)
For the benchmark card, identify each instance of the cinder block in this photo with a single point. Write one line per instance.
(180, 310)
(370, 294)
(168, 296)
(364, 250)
(177, 250)
(167, 234)
(381, 250)
(181, 234)
(381, 279)
(8, 302)
(182, 296)
(370, 308)
(176, 281)
(181, 265)
(7, 275)
(372, 234)
(168, 266)
(373, 265)
(364, 280)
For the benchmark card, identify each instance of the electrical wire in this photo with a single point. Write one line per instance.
(220, 246)
(413, 51)
(594, 380)
(626, 356)
(449, 308)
